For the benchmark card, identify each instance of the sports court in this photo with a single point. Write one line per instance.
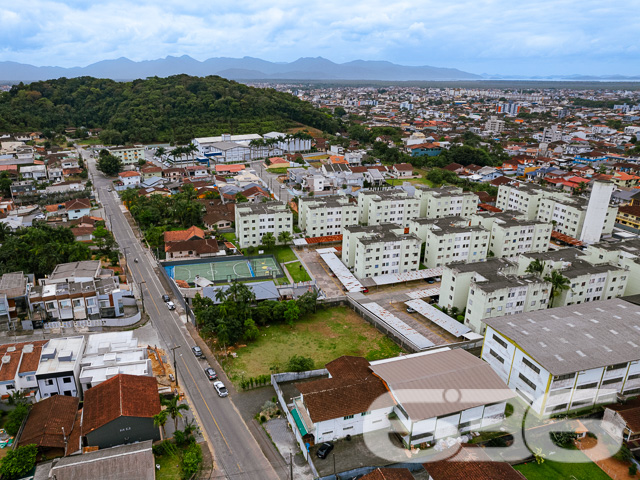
(226, 270)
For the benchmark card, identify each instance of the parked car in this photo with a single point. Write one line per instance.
(220, 388)
(430, 280)
(40, 216)
(171, 305)
(210, 373)
(197, 351)
(165, 298)
(411, 310)
(324, 450)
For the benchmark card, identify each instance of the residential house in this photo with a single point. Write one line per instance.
(324, 216)
(37, 173)
(59, 367)
(174, 174)
(424, 149)
(192, 233)
(150, 171)
(199, 248)
(18, 365)
(77, 208)
(380, 249)
(49, 425)
(622, 422)
(471, 463)
(129, 179)
(252, 221)
(569, 358)
(401, 170)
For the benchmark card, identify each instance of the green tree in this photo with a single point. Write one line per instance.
(536, 267)
(160, 420)
(5, 184)
(298, 363)
(191, 461)
(292, 313)
(268, 240)
(559, 283)
(174, 408)
(109, 164)
(160, 152)
(17, 463)
(15, 419)
(284, 237)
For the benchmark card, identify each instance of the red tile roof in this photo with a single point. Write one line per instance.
(128, 174)
(183, 235)
(120, 396)
(630, 413)
(471, 463)
(403, 167)
(78, 204)
(200, 246)
(389, 474)
(325, 239)
(47, 419)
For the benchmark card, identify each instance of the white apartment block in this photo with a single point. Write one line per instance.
(450, 239)
(577, 217)
(624, 254)
(445, 202)
(254, 220)
(588, 282)
(490, 289)
(323, 216)
(569, 358)
(380, 250)
(129, 155)
(512, 235)
(387, 206)
(494, 125)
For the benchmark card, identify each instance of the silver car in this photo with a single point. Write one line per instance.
(220, 388)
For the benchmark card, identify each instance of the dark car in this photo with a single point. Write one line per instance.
(324, 450)
(430, 281)
(165, 298)
(197, 351)
(210, 373)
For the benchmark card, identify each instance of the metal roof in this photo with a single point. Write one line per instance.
(438, 317)
(391, 278)
(576, 337)
(351, 283)
(427, 292)
(398, 326)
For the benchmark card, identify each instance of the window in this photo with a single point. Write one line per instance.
(616, 366)
(587, 386)
(530, 365)
(348, 417)
(527, 381)
(496, 356)
(66, 380)
(48, 381)
(363, 414)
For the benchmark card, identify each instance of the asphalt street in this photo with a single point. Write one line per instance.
(236, 452)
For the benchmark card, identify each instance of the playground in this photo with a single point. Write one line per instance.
(226, 270)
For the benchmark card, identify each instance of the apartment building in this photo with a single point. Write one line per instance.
(589, 282)
(387, 206)
(129, 155)
(494, 125)
(445, 202)
(569, 358)
(586, 220)
(512, 235)
(490, 289)
(380, 250)
(254, 220)
(624, 254)
(450, 239)
(323, 216)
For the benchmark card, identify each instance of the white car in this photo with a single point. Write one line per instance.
(220, 388)
(171, 305)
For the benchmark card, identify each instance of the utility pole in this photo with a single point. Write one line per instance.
(290, 466)
(175, 365)
(142, 294)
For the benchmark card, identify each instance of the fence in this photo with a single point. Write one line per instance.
(290, 377)
(101, 322)
(177, 294)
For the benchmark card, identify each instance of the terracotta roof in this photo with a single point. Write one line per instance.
(633, 210)
(630, 413)
(389, 474)
(471, 463)
(452, 167)
(74, 442)
(30, 361)
(46, 420)
(351, 389)
(325, 239)
(8, 370)
(81, 231)
(230, 168)
(183, 235)
(200, 246)
(151, 169)
(255, 191)
(78, 204)
(120, 396)
(488, 208)
(128, 174)
(358, 169)
(503, 180)
(403, 166)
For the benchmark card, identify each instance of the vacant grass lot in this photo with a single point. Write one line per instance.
(298, 274)
(415, 181)
(323, 336)
(555, 470)
(169, 467)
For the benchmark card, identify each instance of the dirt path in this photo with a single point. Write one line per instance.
(616, 469)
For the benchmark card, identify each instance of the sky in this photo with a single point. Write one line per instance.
(511, 37)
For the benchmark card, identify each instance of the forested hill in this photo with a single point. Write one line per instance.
(176, 108)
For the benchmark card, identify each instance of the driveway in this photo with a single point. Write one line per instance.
(319, 270)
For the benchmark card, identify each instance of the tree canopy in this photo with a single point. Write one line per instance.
(176, 108)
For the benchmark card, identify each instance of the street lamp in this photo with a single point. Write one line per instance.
(175, 365)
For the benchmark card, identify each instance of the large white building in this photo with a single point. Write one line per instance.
(380, 250)
(387, 206)
(494, 125)
(235, 148)
(569, 358)
(323, 216)
(450, 239)
(129, 155)
(623, 253)
(445, 202)
(254, 220)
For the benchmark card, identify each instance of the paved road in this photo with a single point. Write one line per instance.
(237, 454)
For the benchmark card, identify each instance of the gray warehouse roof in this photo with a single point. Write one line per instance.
(577, 337)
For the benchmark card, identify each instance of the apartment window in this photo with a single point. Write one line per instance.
(66, 380)
(527, 381)
(48, 382)
(348, 417)
(530, 365)
(77, 303)
(499, 341)
(496, 356)
(363, 414)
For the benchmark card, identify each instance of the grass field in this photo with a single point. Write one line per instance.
(414, 181)
(297, 274)
(230, 237)
(550, 470)
(323, 336)
(169, 467)
(283, 253)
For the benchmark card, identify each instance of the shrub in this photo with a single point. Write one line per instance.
(179, 437)
(633, 469)
(298, 363)
(191, 460)
(263, 419)
(15, 418)
(17, 463)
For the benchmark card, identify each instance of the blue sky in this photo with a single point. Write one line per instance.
(522, 37)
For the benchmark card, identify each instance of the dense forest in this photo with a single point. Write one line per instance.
(176, 108)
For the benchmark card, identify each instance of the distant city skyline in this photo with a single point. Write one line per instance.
(494, 37)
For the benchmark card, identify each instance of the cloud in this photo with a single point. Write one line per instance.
(485, 35)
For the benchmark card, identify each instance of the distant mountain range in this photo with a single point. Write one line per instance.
(246, 68)
(566, 78)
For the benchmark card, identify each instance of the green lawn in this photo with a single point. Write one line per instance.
(169, 467)
(323, 336)
(283, 253)
(89, 141)
(550, 470)
(297, 273)
(415, 181)
(230, 237)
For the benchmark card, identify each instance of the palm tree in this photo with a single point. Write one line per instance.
(160, 152)
(160, 419)
(174, 408)
(255, 143)
(284, 237)
(536, 267)
(5, 230)
(268, 240)
(558, 282)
